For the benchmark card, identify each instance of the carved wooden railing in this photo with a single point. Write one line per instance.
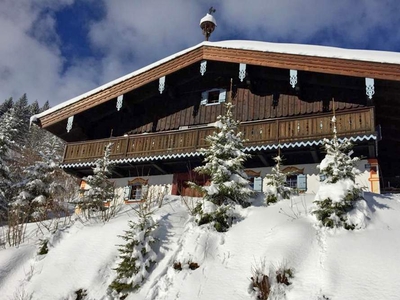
(263, 132)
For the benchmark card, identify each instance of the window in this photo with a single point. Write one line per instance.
(255, 181)
(295, 178)
(135, 190)
(212, 97)
(291, 181)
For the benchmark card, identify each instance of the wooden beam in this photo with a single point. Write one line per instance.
(314, 155)
(159, 168)
(263, 160)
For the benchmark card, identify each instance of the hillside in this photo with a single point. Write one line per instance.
(327, 264)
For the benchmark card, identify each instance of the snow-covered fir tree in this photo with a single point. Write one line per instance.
(39, 186)
(8, 133)
(100, 188)
(136, 256)
(338, 191)
(224, 161)
(277, 188)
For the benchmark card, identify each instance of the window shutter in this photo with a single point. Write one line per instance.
(127, 192)
(222, 96)
(204, 98)
(302, 182)
(145, 190)
(258, 184)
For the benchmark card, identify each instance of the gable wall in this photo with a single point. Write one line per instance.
(248, 107)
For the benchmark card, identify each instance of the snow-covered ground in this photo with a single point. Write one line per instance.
(327, 264)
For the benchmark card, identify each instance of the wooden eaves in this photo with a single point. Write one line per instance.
(347, 67)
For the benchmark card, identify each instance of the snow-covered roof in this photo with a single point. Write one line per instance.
(295, 49)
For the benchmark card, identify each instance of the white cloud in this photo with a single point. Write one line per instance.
(135, 33)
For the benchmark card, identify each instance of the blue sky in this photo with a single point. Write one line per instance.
(55, 50)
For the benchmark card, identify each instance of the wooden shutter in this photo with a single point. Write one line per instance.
(204, 98)
(302, 182)
(222, 95)
(258, 181)
(127, 192)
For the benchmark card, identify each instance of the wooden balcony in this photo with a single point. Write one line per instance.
(270, 131)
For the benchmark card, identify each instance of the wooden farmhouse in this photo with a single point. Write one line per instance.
(158, 117)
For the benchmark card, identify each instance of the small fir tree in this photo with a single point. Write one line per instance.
(224, 161)
(276, 183)
(100, 189)
(338, 191)
(136, 256)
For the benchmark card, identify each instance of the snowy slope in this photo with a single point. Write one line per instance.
(337, 264)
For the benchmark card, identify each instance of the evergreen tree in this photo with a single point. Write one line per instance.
(276, 183)
(338, 171)
(45, 106)
(34, 108)
(8, 133)
(23, 113)
(224, 161)
(39, 186)
(136, 256)
(100, 188)
(6, 106)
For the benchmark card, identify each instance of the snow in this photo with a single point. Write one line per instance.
(336, 263)
(296, 49)
(335, 191)
(208, 18)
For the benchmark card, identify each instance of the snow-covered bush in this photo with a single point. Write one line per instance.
(101, 189)
(224, 161)
(136, 256)
(338, 191)
(276, 189)
(220, 217)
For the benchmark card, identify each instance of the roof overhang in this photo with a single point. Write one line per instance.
(328, 60)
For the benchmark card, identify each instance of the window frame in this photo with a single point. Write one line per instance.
(138, 186)
(205, 97)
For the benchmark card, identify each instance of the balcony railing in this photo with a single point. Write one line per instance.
(272, 131)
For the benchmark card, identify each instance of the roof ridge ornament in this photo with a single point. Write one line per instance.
(208, 23)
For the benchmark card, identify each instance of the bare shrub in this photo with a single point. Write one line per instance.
(190, 264)
(17, 219)
(260, 283)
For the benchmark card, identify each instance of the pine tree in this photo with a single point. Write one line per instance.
(100, 188)
(39, 185)
(338, 171)
(45, 106)
(6, 106)
(34, 108)
(8, 133)
(23, 113)
(224, 161)
(276, 183)
(136, 256)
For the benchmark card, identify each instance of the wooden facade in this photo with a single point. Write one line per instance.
(247, 107)
(154, 124)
